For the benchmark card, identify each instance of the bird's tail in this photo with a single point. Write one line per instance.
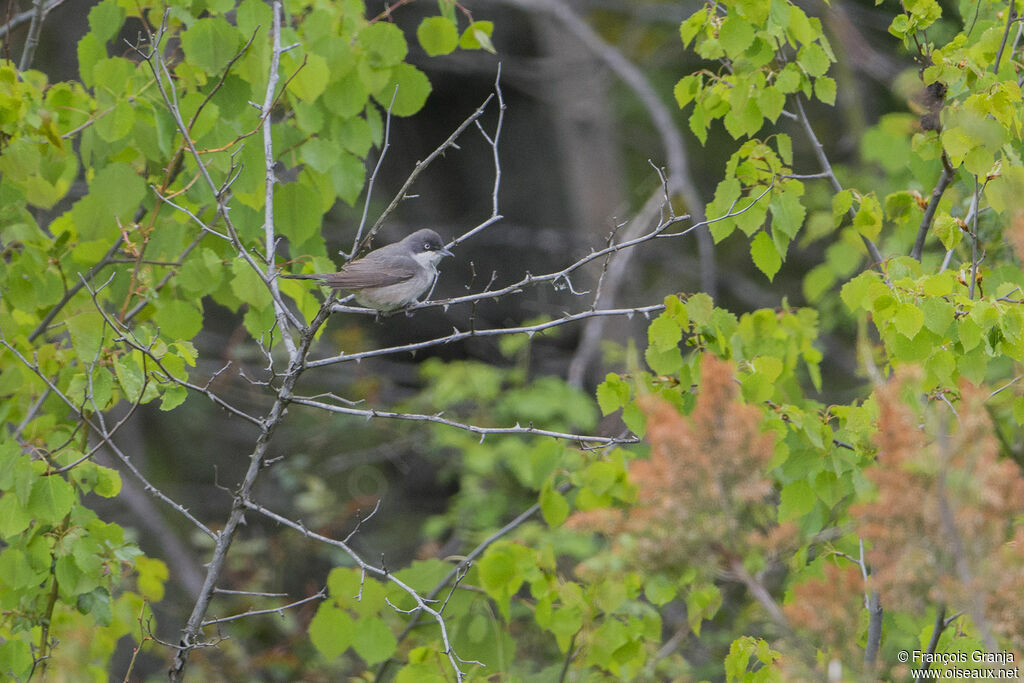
(302, 277)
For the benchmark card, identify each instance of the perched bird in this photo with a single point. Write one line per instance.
(393, 276)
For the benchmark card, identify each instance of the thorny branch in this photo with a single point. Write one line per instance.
(422, 603)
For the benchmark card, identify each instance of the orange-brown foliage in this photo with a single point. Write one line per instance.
(1015, 235)
(829, 607)
(945, 503)
(703, 491)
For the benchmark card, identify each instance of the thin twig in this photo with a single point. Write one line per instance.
(826, 168)
(945, 178)
(322, 595)
(482, 431)
(422, 603)
(458, 336)
(32, 39)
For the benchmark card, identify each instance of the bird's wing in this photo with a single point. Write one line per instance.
(373, 270)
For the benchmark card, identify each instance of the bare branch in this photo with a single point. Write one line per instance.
(39, 10)
(23, 17)
(482, 431)
(419, 168)
(373, 176)
(1011, 14)
(826, 169)
(74, 289)
(321, 595)
(945, 178)
(422, 605)
(280, 310)
(458, 336)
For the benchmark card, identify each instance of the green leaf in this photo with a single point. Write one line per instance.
(347, 176)
(116, 124)
(383, 44)
(664, 332)
(373, 640)
(700, 307)
(766, 256)
(129, 376)
(692, 25)
(796, 500)
(735, 35)
(114, 195)
(179, 319)
(14, 516)
(612, 393)
(665, 362)
(413, 89)
(868, 220)
(15, 569)
(51, 499)
(789, 79)
(471, 37)
(172, 397)
(553, 506)
(938, 315)
(947, 229)
(659, 589)
(813, 58)
(687, 88)
(202, 272)
(311, 79)
(785, 146)
(105, 20)
(726, 195)
(331, 630)
(297, 211)
(16, 659)
(635, 419)
(86, 331)
(1018, 410)
(355, 135)
(771, 102)
(854, 292)
(908, 320)
(347, 96)
(825, 89)
(210, 44)
(108, 482)
(437, 36)
(787, 212)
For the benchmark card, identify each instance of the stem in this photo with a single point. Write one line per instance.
(933, 204)
(32, 40)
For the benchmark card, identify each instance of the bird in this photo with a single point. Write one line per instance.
(391, 277)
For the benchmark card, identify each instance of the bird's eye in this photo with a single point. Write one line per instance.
(427, 246)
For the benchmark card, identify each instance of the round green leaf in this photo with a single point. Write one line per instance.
(437, 36)
(413, 89)
(210, 44)
(331, 630)
(374, 641)
(383, 44)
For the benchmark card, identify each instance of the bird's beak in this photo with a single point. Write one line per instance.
(444, 252)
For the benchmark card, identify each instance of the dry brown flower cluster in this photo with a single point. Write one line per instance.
(945, 509)
(829, 608)
(703, 495)
(1015, 235)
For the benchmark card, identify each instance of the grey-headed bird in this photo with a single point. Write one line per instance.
(391, 277)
